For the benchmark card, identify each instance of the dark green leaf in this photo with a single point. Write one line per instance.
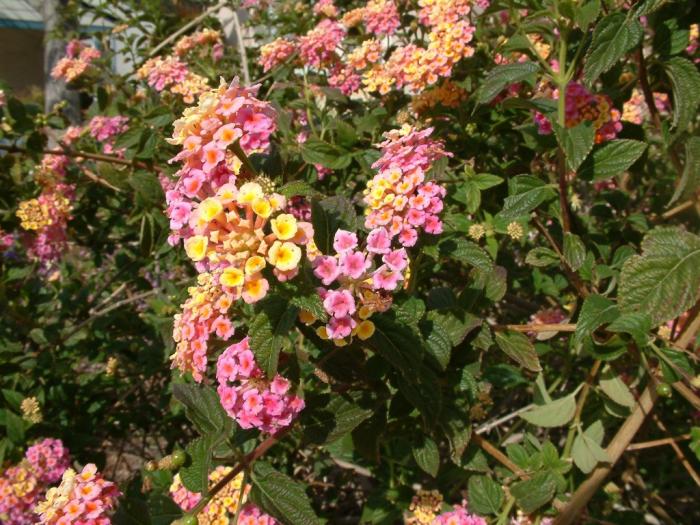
(195, 473)
(427, 456)
(519, 348)
(685, 81)
(268, 331)
(531, 494)
(502, 76)
(614, 35)
(612, 159)
(574, 251)
(281, 496)
(485, 495)
(576, 142)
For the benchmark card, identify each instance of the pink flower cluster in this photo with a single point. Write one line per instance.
(582, 105)
(325, 8)
(24, 485)
(400, 201)
(458, 516)
(49, 459)
(174, 75)
(381, 17)
(276, 52)
(85, 498)
(247, 395)
(104, 129)
(344, 78)
(252, 515)
(203, 314)
(361, 281)
(77, 62)
(635, 110)
(318, 47)
(200, 39)
(205, 132)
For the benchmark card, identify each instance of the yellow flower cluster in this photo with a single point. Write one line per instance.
(448, 94)
(33, 214)
(31, 410)
(425, 506)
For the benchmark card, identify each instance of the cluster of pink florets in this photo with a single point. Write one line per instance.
(78, 60)
(344, 78)
(247, 395)
(205, 132)
(317, 48)
(22, 486)
(325, 8)
(276, 52)
(173, 74)
(458, 516)
(252, 515)
(635, 110)
(81, 499)
(398, 197)
(200, 40)
(582, 105)
(104, 129)
(381, 17)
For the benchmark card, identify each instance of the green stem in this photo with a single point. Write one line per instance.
(503, 516)
(238, 151)
(241, 494)
(576, 423)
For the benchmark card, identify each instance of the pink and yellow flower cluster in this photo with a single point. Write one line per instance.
(582, 105)
(104, 129)
(635, 110)
(200, 40)
(81, 499)
(275, 52)
(249, 397)
(174, 75)
(77, 62)
(24, 485)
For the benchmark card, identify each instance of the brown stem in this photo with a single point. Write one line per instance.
(71, 153)
(499, 456)
(677, 209)
(679, 453)
(562, 327)
(656, 442)
(617, 446)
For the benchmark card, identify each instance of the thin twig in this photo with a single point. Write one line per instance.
(677, 209)
(185, 28)
(241, 48)
(579, 408)
(499, 456)
(486, 427)
(679, 453)
(553, 327)
(656, 442)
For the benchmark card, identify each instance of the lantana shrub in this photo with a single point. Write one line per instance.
(386, 261)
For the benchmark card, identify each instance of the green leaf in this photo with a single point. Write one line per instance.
(484, 181)
(555, 414)
(527, 193)
(296, 187)
(587, 452)
(457, 427)
(467, 252)
(130, 138)
(695, 441)
(595, 312)
(611, 159)
(160, 117)
(268, 331)
(327, 216)
(427, 456)
(319, 152)
(310, 301)
(616, 389)
(485, 495)
(586, 14)
(328, 421)
(637, 324)
(410, 311)
(541, 257)
(281, 496)
(195, 473)
(690, 180)
(531, 494)
(519, 348)
(203, 408)
(574, 251)
(437, 342)
(614, 35)
(456, 326)
(664, 281)
(149, 192)
(502, 76)
(576, 142)
(15, 426)
(685, 81)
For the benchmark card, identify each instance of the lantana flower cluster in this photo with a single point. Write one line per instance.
(24, 485)
(104, 130)
(399, 199)
(81, 498)
(381, 17)
(200, 40)
(318, 47)
(636, 111)
(425, 510)
(223, 506)
(249, 397)
(325, 8)
(173, 74)
(77, 62)
(276, 52)
(582, 105)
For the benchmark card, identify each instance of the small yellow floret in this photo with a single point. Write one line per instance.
(284, 256)
(262, 208)
(232, 277)
(365, 330)
(284, 226)
(209, 209)
(254, 264)
(196, 247)
(249, 193)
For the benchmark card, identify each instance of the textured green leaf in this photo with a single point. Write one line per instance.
(484, 181)
(541, 257)
(456, 326)
(467, 252)
(685, 81)
(574, 251)
(586, 451)
(437, 341)
(485, 495)
(531, 494)
(664, 281)
(333, 419)
(555, 414)
(327, 216)
(587, 13)
(526, 193)
(612, 159)
(195, 473)
(695, 441)
(319, 152)
(427, 456)
(281, 496)
(595, 312)
(519, 348)
(502, 76)
(577, 142)
(203, 408)
(410, 311)
(690, 180)
(296, 187)
(614, 35)
(457, 427)
(268, 330)
(616, 389)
